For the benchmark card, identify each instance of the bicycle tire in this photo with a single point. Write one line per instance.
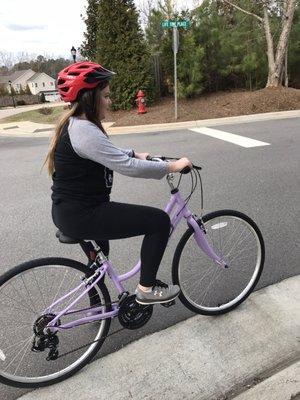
(183, 296)
(31, 382)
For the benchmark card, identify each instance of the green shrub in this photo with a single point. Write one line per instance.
(21, 102)
(42, 98)
(45, 110)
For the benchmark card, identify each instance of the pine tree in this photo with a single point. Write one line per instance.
(294, 52)
(233, 47)
(121, 47)
(159, 41)
(89, 47)
(27, 90)
(190, 66)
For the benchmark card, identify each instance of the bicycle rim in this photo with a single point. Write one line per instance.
(23, 298)
(208, 288)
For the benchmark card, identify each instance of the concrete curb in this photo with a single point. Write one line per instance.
(203, 358)
(285, 385)
(204, 122)
(31, 129)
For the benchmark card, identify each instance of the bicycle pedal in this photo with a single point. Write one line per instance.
(169, 304)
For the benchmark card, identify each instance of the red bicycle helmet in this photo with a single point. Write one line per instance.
(81, 75)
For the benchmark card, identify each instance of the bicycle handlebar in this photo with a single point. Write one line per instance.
(185, 170)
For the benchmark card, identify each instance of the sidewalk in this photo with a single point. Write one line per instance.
(32, 129)
(8, 111)
(251, 353)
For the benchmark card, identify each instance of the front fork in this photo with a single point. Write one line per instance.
(199, 236)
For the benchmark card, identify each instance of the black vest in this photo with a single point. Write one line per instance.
(77, 178)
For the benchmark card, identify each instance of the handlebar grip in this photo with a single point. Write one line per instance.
(185, 170)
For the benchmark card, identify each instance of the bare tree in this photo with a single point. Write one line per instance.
(9, 59)
(145, 9)
(276, 56)
(6, 59)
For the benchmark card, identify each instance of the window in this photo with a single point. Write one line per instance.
(36, 85)
(51, 83)
(43, 84)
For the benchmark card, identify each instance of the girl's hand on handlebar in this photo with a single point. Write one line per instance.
(178, 166)
(141, 156)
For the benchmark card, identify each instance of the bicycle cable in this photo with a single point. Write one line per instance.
(187, 199)
(201, 187)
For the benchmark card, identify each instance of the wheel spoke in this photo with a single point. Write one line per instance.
(26, 342)
(26, 291)
(29, 297)
(208, 288)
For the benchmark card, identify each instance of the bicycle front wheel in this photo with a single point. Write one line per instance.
(26, 292)
(207, 288)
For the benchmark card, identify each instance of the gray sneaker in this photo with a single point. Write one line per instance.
(160, 293)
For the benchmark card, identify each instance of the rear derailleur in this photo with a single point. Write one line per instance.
(43, 341)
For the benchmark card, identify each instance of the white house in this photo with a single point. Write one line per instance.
(43, 83)
(18, 79)
(38, 82)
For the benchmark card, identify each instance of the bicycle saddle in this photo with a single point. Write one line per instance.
(66, 239)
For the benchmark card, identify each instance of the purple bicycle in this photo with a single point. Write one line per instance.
(56, 312)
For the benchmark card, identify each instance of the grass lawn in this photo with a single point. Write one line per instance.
(35, 116)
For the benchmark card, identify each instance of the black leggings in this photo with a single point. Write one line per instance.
(110, 220)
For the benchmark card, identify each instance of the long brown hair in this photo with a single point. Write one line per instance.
(88, 103)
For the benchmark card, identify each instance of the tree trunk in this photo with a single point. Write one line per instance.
(286, 77)
(273, 80)
(276, 67)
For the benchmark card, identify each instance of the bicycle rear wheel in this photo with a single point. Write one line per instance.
(207, 288)
(25, 292)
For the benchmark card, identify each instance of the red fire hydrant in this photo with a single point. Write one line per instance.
(141, 102)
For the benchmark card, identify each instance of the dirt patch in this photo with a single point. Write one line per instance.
(215, 105)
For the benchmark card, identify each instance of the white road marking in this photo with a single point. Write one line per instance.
(2, 356)
(230, 137)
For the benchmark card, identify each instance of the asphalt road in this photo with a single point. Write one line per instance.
(263, 182)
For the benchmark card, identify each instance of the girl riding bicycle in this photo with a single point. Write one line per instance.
(81, 161)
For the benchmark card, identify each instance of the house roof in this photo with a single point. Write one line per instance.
(17, 74)
(12, 77)
(5, 78)
(37, 75)
(33, 77)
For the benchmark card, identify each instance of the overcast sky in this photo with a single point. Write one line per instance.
(49, 28)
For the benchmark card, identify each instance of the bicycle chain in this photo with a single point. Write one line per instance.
(88, 344)
(94, 341)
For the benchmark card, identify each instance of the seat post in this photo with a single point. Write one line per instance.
(100, 255)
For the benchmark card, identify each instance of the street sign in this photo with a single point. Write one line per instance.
(167, 23)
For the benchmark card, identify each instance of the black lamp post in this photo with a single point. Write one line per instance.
(12, 95)
(73, 52)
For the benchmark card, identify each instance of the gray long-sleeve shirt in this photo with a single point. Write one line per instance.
(88, 141)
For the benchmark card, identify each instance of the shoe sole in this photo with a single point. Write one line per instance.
(155, 302)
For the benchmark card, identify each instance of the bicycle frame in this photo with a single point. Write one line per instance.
(177, 209)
